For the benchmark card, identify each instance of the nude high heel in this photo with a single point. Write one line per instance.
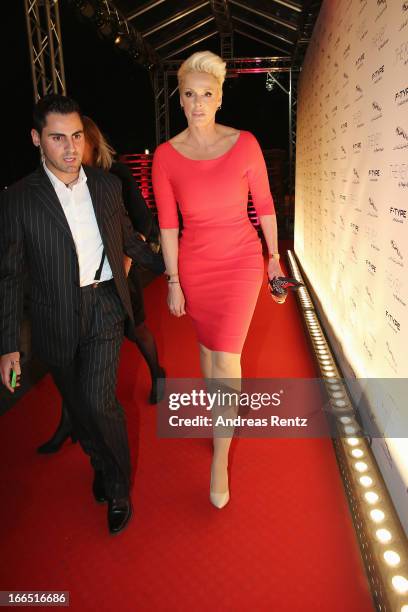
(219, 500)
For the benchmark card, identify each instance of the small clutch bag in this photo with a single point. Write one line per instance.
(279, 286)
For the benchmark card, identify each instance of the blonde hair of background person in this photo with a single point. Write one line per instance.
(208, 148)
(97, 147)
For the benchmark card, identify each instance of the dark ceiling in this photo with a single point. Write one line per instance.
(156, 30)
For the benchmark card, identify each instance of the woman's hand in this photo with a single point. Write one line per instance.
(175, 300)
(274, 269)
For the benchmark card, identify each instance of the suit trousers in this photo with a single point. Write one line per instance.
(88, 386)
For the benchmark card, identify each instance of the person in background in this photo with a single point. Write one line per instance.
(215, 270)
(98, 153)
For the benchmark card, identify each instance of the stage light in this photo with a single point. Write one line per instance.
(400, 584)
(370, 496)
(377, 515)
(361, 466)
(122, 41)
(357, 453)
(366, 481)
(353, 441)
(86, 9)
(270, 84)
(383, 535)
(392, 558)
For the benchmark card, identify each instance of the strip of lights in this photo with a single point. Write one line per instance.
(382, 540)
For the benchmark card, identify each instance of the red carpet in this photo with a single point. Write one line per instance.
(284, 543)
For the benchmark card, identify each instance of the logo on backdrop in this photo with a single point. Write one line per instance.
(394, 283)
(359, 63)
(382, 5)
(378, 74)
(372, 268)
(358, 119)
(399, 172)
(392, 321)
(374, 174)
(379, 39)
(356, 177)
(401, 97)
(399, 215)
(372, 237)
(357, 147)
(377, 110)
(397, 256)
(361, 30)
(404, 10)
(401, 54)
(375, 142)
(402, 138)
(359, 93)
(363, 5)
(372, 208)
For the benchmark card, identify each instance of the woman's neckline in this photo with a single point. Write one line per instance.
(211, 158)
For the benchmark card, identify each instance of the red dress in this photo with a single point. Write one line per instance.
(220, 255)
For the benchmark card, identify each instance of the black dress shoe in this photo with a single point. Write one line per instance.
(119, 513)
(98, 488)
(54, 444)
(158, 387)
(62, 433)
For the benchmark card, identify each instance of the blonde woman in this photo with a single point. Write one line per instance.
(215, 271)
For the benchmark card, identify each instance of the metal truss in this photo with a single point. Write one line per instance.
(222, 16)
(45, 46)
(293, 94)
(115, 26)
(161, 103)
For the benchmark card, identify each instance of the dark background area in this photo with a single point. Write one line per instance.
(117, 93)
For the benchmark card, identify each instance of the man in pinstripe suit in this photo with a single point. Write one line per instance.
(68, 226)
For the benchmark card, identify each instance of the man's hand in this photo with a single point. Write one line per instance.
(8, 362)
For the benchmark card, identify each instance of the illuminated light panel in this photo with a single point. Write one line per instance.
(392, 558)
(377, 515)
(383, 535)
(361, 466)
(400, 584)
(371, 497)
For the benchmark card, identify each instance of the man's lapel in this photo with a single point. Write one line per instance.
(45, 192)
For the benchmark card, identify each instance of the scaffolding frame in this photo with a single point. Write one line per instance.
(45, 47)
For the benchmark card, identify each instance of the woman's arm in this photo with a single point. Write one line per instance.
(175, 298)
(270, 232)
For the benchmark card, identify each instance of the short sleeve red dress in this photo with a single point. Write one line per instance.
(220, 255)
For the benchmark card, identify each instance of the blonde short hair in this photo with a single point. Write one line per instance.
(203, 61)
(104, 153)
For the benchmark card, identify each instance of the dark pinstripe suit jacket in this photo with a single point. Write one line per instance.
(35, 235)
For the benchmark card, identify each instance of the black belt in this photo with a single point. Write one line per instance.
(99, 285)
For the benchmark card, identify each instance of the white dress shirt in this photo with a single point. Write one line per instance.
(77, 205)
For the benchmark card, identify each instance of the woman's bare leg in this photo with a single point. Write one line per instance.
(226, 369)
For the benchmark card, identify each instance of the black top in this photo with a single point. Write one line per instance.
(138, 211)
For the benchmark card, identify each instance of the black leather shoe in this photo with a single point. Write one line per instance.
(54, 444)
(98, 488)
(158, 387)
(62, 433)
(119, 513)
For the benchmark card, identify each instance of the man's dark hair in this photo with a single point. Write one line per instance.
(53, 103)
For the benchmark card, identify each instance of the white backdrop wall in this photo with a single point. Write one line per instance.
(351, 221)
